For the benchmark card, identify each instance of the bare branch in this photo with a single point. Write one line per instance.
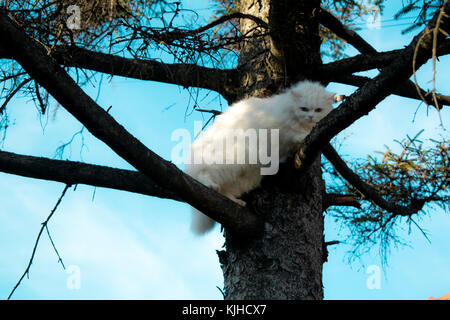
(43, 226)
(360, 62)
(349, 200)
(228, 17)
(62, 87)
(368, 61)
(325, 248)
(214, 112)
(179, 34)
(370, 94)
(54, 247)
(403, 91)
(70, 172)
(12, 94)
(329, 21)
(5, 54)
(370, 56)
(186, 75)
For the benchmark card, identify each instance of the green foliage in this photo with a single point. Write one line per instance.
(416, 174)
(423, 9)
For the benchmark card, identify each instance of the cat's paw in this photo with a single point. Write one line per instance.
(240, 202)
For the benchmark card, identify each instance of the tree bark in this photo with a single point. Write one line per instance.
(285, 262)
(70, 173)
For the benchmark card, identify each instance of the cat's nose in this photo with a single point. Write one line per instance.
(310, 118)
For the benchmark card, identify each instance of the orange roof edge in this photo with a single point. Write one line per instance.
(444, 297)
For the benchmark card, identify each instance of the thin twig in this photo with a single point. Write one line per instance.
(421, 230)
(44, 225)
(227, 17)
(214, 112)
(39, 98)
(54, 247)
(17, 89)
(341, 200)
(435, 32)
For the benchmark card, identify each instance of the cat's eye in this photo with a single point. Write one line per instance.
(304, 109)
(318, 110)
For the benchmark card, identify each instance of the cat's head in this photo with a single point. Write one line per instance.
(310, 101)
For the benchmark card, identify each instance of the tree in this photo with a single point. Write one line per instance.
(275, 247)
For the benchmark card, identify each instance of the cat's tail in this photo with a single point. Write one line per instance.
(201, 223)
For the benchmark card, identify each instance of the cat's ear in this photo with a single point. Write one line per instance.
(295, 94)
(338, 97)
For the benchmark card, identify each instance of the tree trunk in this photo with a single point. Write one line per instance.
(286, 261)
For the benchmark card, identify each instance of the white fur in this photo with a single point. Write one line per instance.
(284, 111)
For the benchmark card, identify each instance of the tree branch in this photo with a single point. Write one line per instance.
(5, 53)
(332, 199)
(367, 191)
(176, 35)
(371, 93)
(370, 56)
(403, 91)
(71, 173)
(358, 63)
(228, 17)
(368, 61)
(62, 87)
(12, 94)
(43, 226)
(332, 23)
(186, 75)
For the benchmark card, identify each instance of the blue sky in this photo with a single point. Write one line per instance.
(129, 246)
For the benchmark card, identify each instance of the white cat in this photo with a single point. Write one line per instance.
(291, 114)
